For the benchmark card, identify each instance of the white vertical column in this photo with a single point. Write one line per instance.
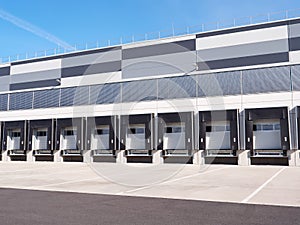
(198, 155)
(29, 156)
(157, 154)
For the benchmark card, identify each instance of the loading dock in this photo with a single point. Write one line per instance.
(40, 139)
(14, 133)
(69, 138)
(136, 137)
(175, 136)
(101, 138)
(218, 136)
(267, 135)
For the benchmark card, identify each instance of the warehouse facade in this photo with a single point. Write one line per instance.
(230, 96)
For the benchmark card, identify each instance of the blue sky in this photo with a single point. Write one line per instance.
(77, 22)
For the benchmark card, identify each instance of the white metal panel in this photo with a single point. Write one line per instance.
(36, 66)
(294, 56)
(101, 78)
(252, 36)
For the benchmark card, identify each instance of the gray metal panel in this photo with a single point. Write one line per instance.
(266, 80)
(136, 91)
(159, 65)
(81, 96)
(219, 84)
(4, 83)
(35, 76)
(244, 61)
(294, 44)
(21, 100)
(67, 96)
(294, 30)
(91, 69)
(4, 71)
(114, 55)
(177, 87)
(159, 49)
(3, 102)
(46, 98)
(236, 51)
(105, 93)
(34, 84)
(295, 72)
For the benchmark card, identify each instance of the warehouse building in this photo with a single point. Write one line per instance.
(229, 96)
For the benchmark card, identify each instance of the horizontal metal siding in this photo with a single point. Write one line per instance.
(219, 84)
(21, 100)
(136, 91)
(105, 94)
(295, 74)
(276, 79)
(3, 102)
(46, 99)
(67, 96)
(81, 96)
(177, 87)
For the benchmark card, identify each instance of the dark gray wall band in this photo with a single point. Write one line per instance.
(294, 44)
(244, 61)
(34, 84)
(91, 69)
(159, 49)
(5, 71)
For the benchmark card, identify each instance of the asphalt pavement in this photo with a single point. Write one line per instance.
(32, 207)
